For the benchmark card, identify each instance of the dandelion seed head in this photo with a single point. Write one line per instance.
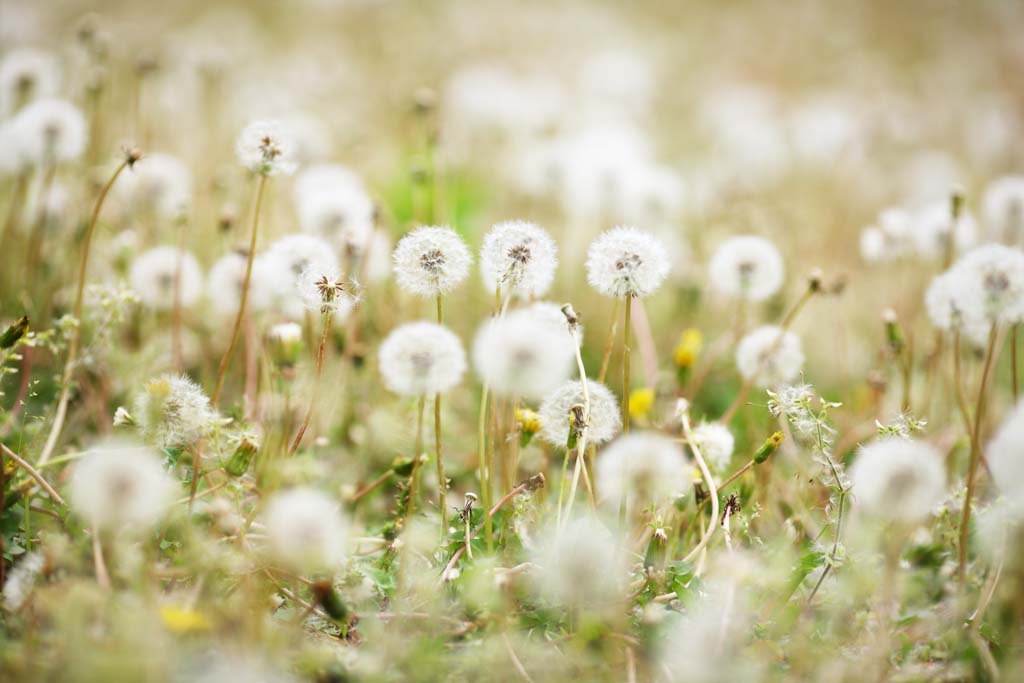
(716, 444)
(286, 260)
(951, 301)
(326, 291)
(50, 131)
(521, 355)
(582, 565)
(1004, 458)
(422, 359)
(644, 468)
(747, 267)
(226, 279)
(22, 579)
(153, 274)
(121, 485)
(1003, 209)
(173, 411)
(519, 257)
(266, 148)
(305, 530)
(157, 182)
(766, 360)
(551, 313)
(626, 262)
(936, 231)
(994, 278)
(898, 479)
(605, 417)
(333, 204)
(431, 260)
(26, 74)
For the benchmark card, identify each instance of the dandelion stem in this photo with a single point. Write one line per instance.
(481, 451)
(418, 448)
(713, 491)
(442, 482)
(625, 362)
(972, 465)
(15, 208)
(102, 577)
(225, 361)
(314, 399)
(609, 342)
(371, 487)
(35, 245)
(176, 322)
(1013, 359)
(76, 331)
(958, 386)
(32, 472)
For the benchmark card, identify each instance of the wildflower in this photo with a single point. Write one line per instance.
(527, 424)
(286, 260)
(22, 579)
(50, 131)
(898, 479)
(1003, 207)
(716, 444)
(183, 619)
(121, 485)
(333, 204)
(157, 182)
(285, 342)
(640, 403)
(1004, 458)
(581, 565)
(643, 468)
(172, 410)
(937, 231)
(264, 147)
(430, 261)
(519, 354)
(605, 421)
(246, 444)
(305, 530)
(226, 279)
(421, 358)
(518, 257)
(769, 356)
(994, 273)
(626, 262)
(153, 274)
(746, 267)
(948, 303)
(688, 349)
(551, 314)
(26, 74)
(325, 291)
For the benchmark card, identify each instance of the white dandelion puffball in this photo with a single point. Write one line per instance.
(157, 182)
(898, 479)
(747, 267)
(716, 444)
(626, 262)
(121, 485)
(582, 565)
(333, 204)
(935, 231)
(1006, 459)
(266, 148)
(305, 530)
(644, 468)
(605, 416)
(286, 260)
(519, 257)
(551, 313)
(154, 276)
(1003, 209)
(26, 75)
(421, 359)
(952, 304)
(521, 355)
(173, 411)
(326, 291)
(996, 274)
(873, 247)
(51, 131)
(768, 360)
(226, 279)
(430, 261)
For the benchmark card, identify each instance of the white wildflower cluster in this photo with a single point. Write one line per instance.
(605, 418)
(903, 427)
(173, 411)
(266, 148)
(1003, 210)
(796, 402)
(120, 485)
(430, 261)
(421, 359)
(642, 468)
(747, 267)
(929, 231)
(156, 275)
(626, 262)
(305, 530)
(520, 354)
(770, 356)
(898, 480)
(518, 257)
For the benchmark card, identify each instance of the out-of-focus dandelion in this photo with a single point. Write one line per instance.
(555, 413)
(769, 356)
(521, 355)
(305, 531)
(157, 274)
(642, 468)
(746, 267)
(898, 480)
(716, 444)
(173, 411)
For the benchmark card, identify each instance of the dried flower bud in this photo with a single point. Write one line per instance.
(15, 332)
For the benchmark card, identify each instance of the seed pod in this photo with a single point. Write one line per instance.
(769, 446)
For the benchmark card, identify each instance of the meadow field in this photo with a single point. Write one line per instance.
(383, 340)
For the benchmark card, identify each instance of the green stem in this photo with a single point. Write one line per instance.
(442, 483)
(625, 363)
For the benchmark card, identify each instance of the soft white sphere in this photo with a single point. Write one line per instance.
(51, 131)
(1003, 209)
(770, 357)
(305, 530)
(747, 267)
(266, 148)
(155, 275)
(644, 468)
(173, 411)
(519, 257)
(521, 355)
(716, 444)
(626, 262)
(421, 359)
(582, 565)
(898, 479)
(430, 261)
(605, 416)
(1005, 455)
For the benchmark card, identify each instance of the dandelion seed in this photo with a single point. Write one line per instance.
(264, 147)
(626, 262)
(173, 411)
(519, 257)
(898, 479)
(521, 355)
(430, 261)
(605, 421)
(121, 485)
(305, 530)
(746, 267)
(642, 468)
(716, 444)
(326, 292)
(153, 274)
(766, 360)
(421, 359)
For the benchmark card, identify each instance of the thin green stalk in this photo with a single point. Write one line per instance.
(314, 399)
(609, 342)
(442, 484)
(76, 331)
(225, 361)
(410, 506)
(625, 363)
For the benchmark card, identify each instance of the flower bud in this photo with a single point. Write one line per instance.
(14, 333)
(766, 449)
(240, 460)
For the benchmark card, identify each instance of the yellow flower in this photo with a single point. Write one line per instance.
(528, 423)
(688, 348)
(640, 403)
(182, 620)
